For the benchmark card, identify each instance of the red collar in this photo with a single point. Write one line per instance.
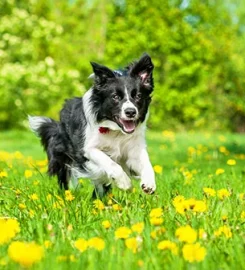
(104, 130)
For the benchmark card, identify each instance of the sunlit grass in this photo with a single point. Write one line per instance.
(196, 217)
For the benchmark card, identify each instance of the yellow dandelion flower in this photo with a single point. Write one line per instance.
(17, 192)
(68, 196)
(58, 205)
(186, 234)
(48, 197)
(132, 244)
(181, 208)
(153, 234)
(28, 173)
(194, 252)
(243, 215)
(122, 233)
(202, 234)
(8, 229)
(96, 243)
(81, 181)
(156, 212)
(98, 204)
(219, 171)
(18, 155)
(178, 199)
(3, 174)
(22, 206)
(110, 202)
(158, 169)
(157, 232)
(223, 150)
(209, 192)
(223, 230)
(26, 254)
(182, 205)
(42, 163)
(200, 206)
(47, 244)
(168, 134)
(191, 151)
(222, 138)
(43, 170)
(156, 221)
(241, 196)
(231, 162)
(190, 203)
(188, 176)
(116, 207)
(224, 218)
(36, 183)
(72, 258)
(81, 244)
(106, 224)
(223, 193)
(168, 245)
(34, 197)
(138, 227)
(140, 263)
(31, 213)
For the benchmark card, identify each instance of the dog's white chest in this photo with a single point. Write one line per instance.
(114, 144)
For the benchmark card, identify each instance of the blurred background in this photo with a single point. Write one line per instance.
(198, 48)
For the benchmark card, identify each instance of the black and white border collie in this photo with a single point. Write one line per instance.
(101, 135)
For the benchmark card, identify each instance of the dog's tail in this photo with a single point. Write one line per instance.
(45, 128)
(50, 133)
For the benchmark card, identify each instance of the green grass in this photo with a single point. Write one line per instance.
(186, 171)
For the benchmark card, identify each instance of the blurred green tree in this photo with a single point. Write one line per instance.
(197, 48)
(31, 81)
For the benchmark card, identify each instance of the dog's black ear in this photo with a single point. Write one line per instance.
(101, 73)
(143, 68)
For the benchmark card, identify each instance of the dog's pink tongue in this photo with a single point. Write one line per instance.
(128, 125)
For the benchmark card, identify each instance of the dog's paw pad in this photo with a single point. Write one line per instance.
(147, 190)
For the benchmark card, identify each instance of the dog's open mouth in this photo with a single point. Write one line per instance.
(128, 126)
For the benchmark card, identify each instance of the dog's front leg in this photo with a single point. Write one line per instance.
(141, 165)
(112, 170)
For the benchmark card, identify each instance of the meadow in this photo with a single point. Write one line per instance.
(195, 219)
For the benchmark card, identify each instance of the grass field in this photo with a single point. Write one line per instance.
(195, 220)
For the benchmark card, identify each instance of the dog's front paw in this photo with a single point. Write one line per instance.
(148, 188)
(120, 178)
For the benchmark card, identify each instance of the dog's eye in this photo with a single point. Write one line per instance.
(133, 93)
(116, 97)
(138, 96)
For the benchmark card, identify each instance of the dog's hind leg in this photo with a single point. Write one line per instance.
(101, 190)
(63, 178)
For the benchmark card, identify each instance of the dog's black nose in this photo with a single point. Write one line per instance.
(130, 112)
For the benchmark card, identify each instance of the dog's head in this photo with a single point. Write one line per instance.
(122, 98)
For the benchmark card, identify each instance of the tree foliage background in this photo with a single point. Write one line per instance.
(198, 48)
